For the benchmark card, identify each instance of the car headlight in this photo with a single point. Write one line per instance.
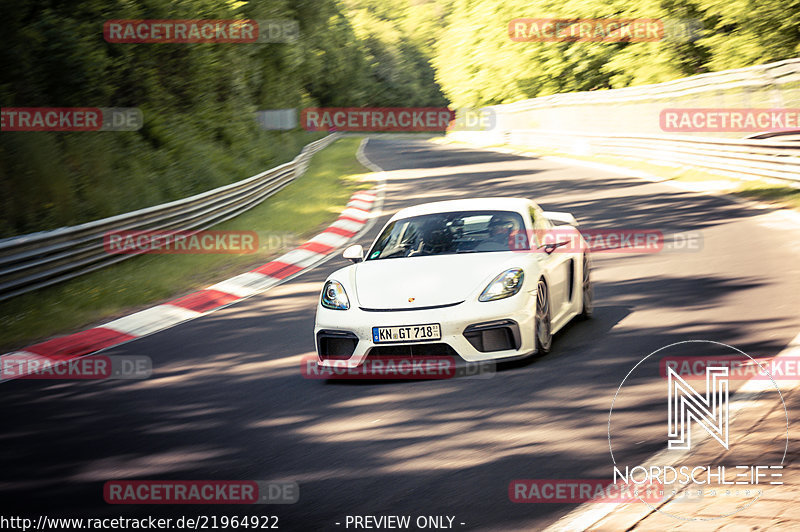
(334, 296)
(504, 285)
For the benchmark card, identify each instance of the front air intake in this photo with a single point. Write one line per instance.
(336, 345)
(502, 335)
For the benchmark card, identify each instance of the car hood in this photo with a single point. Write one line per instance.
(431, 281)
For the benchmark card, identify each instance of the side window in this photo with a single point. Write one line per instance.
(541, 225)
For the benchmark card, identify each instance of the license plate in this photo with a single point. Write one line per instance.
(406, 333)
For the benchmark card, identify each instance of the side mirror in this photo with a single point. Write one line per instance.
(354, 253)
(550, 248)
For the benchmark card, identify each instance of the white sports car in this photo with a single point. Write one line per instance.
(479, 279)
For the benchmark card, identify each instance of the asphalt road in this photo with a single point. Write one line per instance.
(227, 401)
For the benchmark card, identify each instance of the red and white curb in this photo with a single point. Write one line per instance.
(359, 214)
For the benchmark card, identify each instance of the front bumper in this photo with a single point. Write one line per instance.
(473, 330)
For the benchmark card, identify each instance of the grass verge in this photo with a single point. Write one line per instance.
(295, 213)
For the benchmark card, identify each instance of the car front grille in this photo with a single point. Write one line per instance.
(413, 350)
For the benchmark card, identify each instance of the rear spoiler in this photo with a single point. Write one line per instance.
(561, 218)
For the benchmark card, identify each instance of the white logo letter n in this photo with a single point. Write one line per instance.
(685, 404)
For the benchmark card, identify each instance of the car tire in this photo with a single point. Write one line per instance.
(542, 327)
(587, 289)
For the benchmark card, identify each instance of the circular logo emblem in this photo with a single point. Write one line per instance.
(710, 439)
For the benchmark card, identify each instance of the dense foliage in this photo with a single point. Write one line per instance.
(478, 64)
(198, 100)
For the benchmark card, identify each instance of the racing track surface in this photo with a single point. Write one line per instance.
(226, 400)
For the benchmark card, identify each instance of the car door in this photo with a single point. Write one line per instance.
(555, 261)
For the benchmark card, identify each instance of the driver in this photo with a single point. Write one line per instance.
(438, 237)
(500, 228)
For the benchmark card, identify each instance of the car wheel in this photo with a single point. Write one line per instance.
(588, 289)
(544, 334)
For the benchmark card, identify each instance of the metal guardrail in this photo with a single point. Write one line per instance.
(626, 122)
(768, 76)
(636, 110)
(739, 158)
(36, 260)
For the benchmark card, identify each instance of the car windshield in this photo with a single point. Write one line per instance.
(450, 232)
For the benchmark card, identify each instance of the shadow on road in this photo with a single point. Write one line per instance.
(227, 401)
